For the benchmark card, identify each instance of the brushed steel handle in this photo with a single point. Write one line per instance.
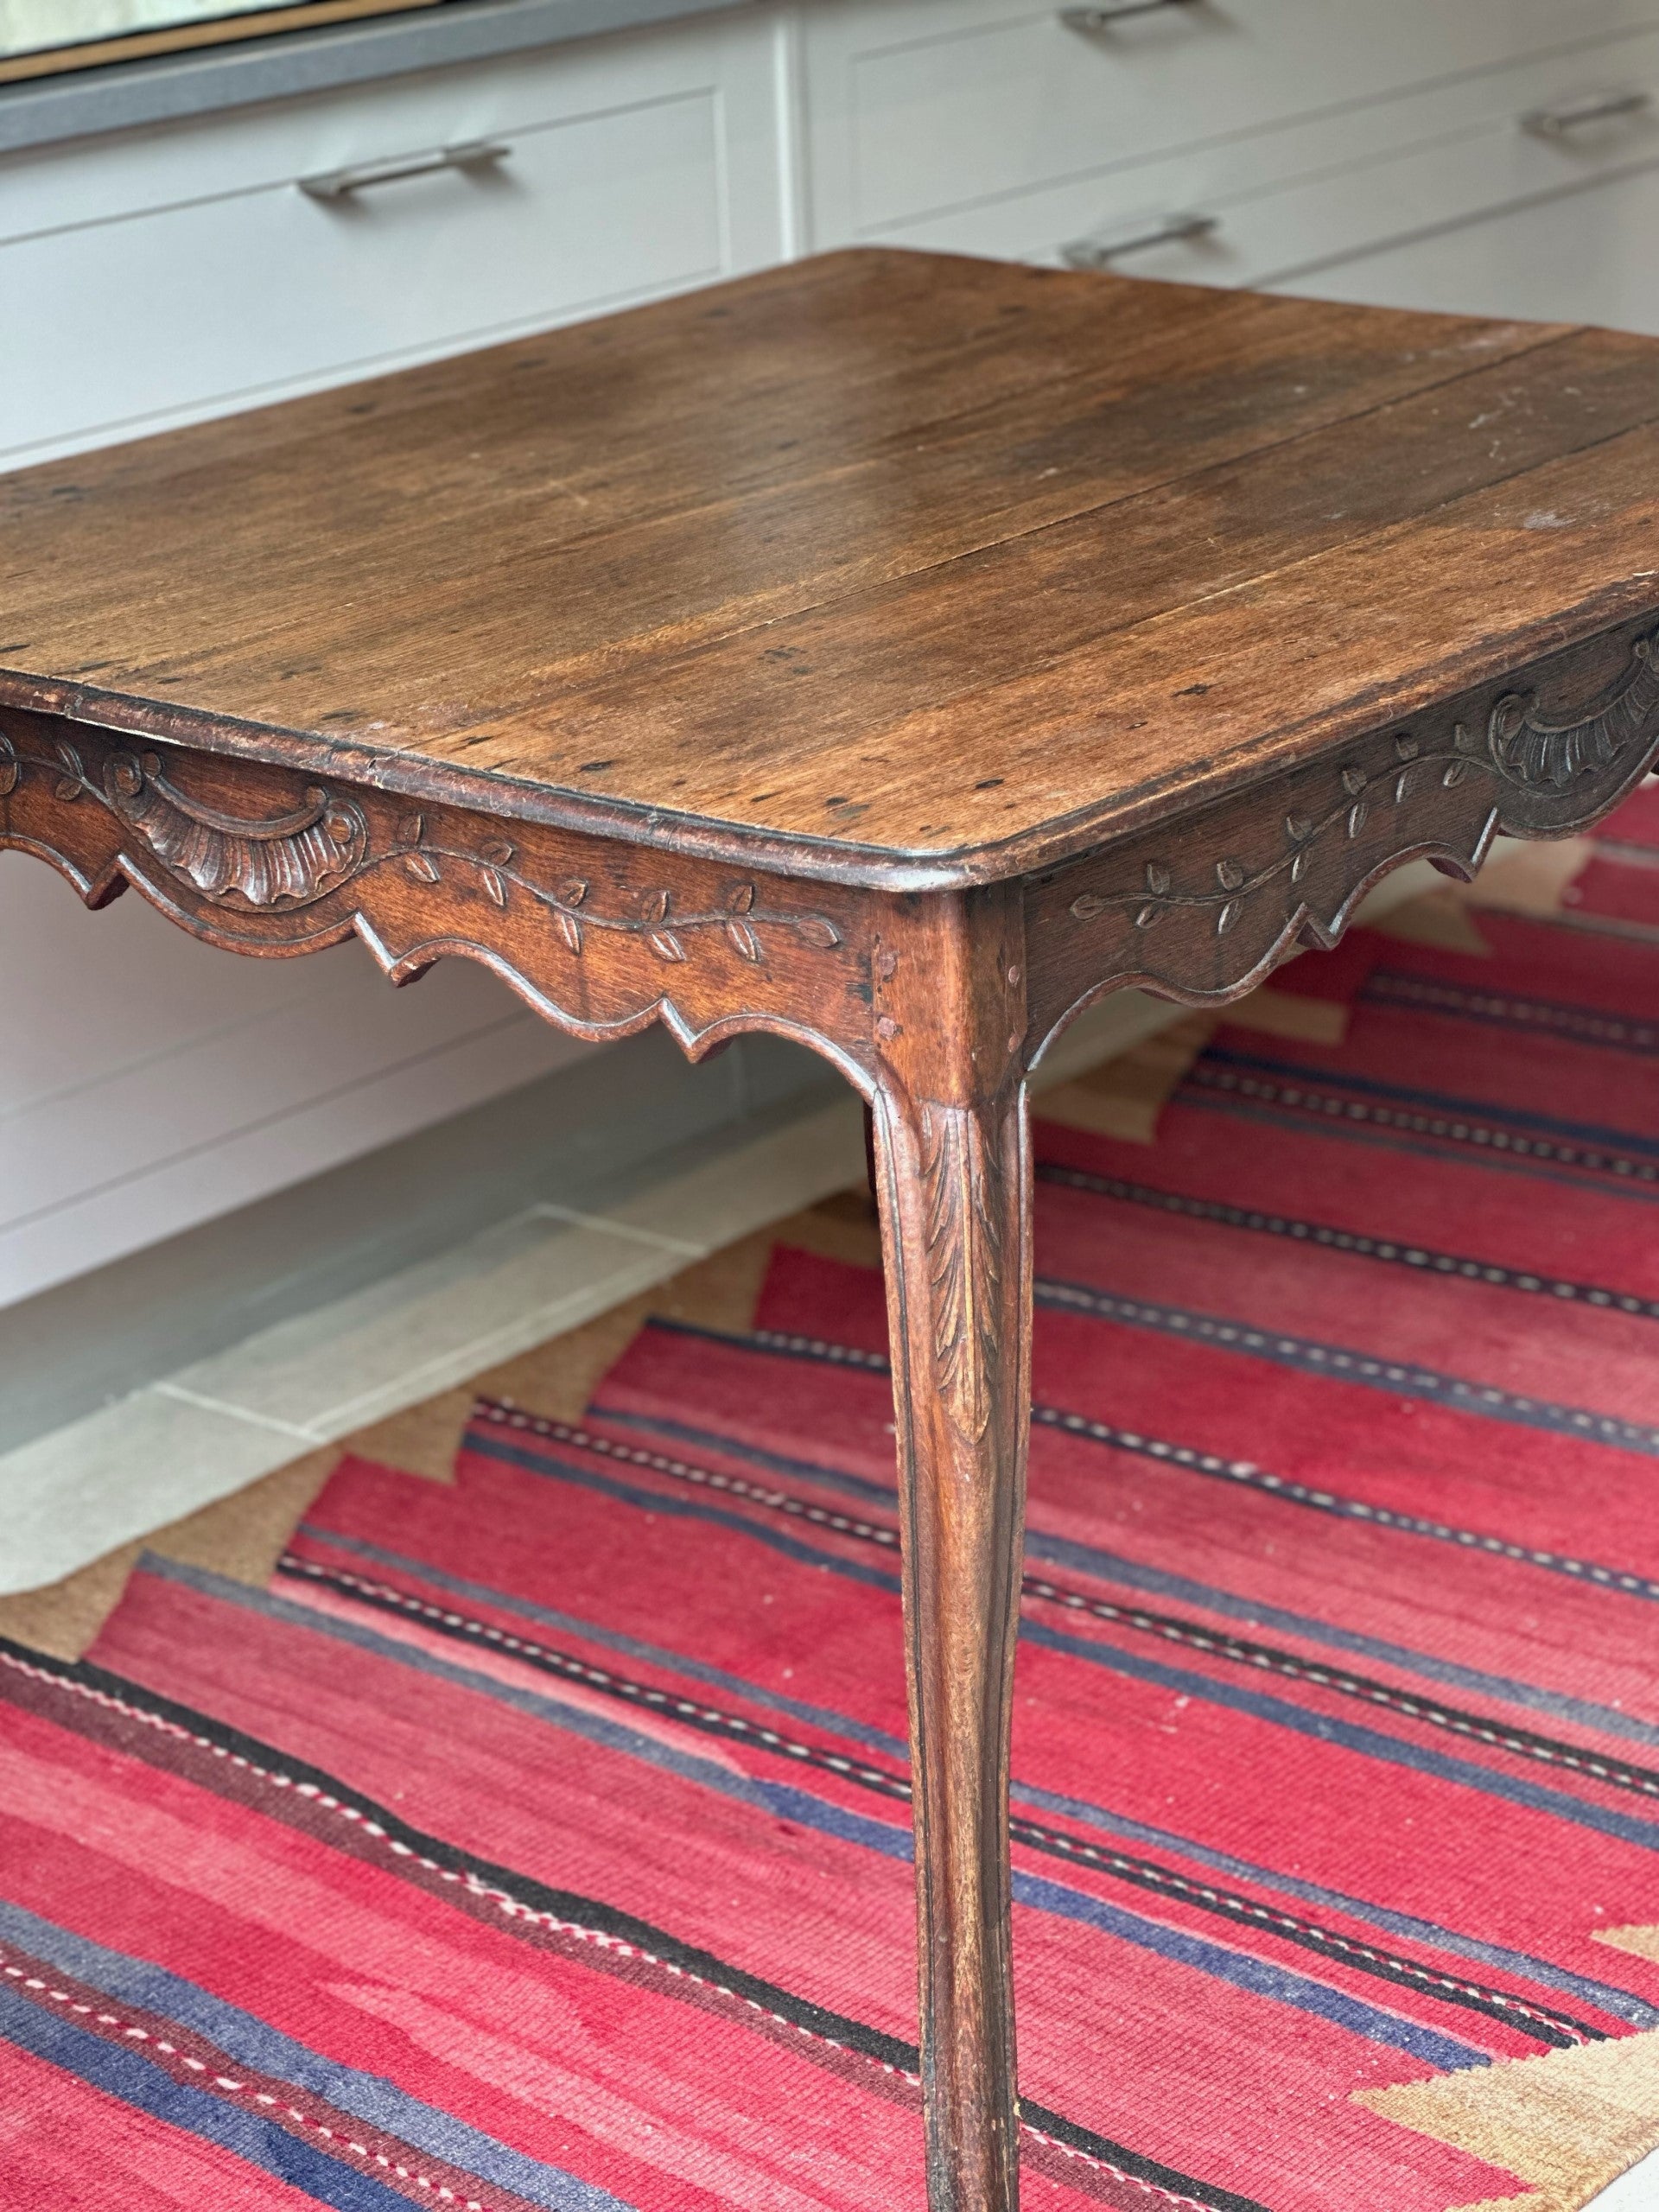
(339, 184)
(1102, 248)
(1103, 18)
(1560, 117)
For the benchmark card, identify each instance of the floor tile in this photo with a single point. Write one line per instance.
(420, 1331)
(70, 1496)
(737, 1192)
(1636, 2191)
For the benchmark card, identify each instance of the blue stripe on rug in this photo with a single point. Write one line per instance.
(1439, 1101)
(121, 2073)
(1109, 1566)
(1194, 1099)
(1370, 1742)
(1398, 1378)
(823, 1816)
(1618, 2002)
(1555, 1021)
(1378, 1248)
(253, 2042)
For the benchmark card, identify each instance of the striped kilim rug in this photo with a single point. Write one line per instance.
(1621, 882)
(541, 1837)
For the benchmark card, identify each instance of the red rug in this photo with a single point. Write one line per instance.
(544, 1840)
(1620, 882)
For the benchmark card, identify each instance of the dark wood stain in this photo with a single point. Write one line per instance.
(955, 514)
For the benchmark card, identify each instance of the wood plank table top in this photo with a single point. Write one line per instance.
(907, 569)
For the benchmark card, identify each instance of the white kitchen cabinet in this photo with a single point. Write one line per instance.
(150, 1082)
(919, 108)
(180, 272)
(1280, 205)
(1584, 255)
(188, 272)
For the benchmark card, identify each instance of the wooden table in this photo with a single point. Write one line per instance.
(894, 652)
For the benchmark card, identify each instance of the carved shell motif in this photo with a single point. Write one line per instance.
(285, 861)
(1548, 756)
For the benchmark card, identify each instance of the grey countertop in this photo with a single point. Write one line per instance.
(78, 105)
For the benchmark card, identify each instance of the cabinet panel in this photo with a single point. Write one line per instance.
(150, 1082)
(267, 288)
(1583, 257)
(246, 149)
(1287, 202)
(649, 170)
(928, 105)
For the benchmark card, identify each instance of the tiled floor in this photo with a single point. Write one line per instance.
(206, 1431)
(83, 1491)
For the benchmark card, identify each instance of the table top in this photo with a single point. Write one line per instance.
(896, 569)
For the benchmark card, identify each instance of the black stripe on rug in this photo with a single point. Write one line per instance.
(1394, 1251)
(1544, 2024)
(219, 1740)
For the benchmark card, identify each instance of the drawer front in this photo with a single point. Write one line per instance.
(1581, 257)
(245, 148)
(204, 304)
(928, 105)
(226, 297)
(1287, 203)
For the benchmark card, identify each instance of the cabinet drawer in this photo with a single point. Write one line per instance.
(245, 149)
(229, 297)
(926, 106)
(1288, 202)
(1581, 257)
(633, 167)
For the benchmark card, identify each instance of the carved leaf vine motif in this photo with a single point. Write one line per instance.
(961, 1179)
(1521, 747)
(659, 923)
(299, 856)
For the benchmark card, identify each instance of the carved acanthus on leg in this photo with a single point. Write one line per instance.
(965, 1180)
(954, 1187)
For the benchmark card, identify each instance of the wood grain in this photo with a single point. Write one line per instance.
(913, 569)
(953, 1187)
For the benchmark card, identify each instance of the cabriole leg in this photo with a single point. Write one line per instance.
(953, 1188)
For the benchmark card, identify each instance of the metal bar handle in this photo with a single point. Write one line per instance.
(1562, 117)
(1101, 250)
(339, 184)
(1103, 18)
